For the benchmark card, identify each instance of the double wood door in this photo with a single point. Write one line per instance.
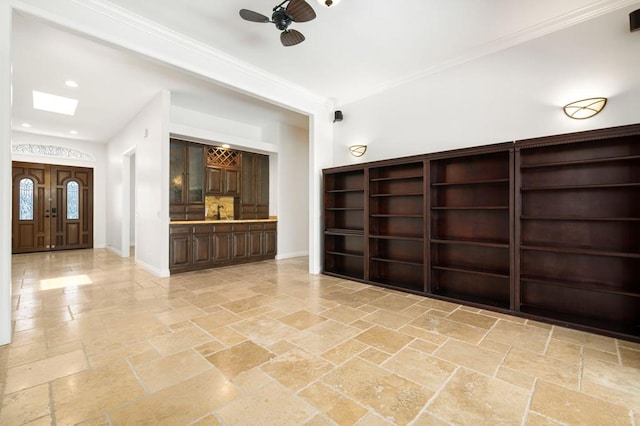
(52, 207)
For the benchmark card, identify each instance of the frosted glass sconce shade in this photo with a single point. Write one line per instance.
(358, 150)
(585, 108)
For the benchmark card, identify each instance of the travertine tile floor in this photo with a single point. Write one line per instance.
(100, 341)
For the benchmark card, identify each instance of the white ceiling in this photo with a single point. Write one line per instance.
(352, 50)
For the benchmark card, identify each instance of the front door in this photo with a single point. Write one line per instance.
(52, 207)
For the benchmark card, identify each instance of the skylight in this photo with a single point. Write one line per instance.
(52, 103)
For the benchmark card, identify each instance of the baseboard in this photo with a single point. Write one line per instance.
(291, 255)
(114, 250)
(155, 271)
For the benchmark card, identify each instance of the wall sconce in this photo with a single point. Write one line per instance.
(585, 108)
(358, 150)
(328, 3)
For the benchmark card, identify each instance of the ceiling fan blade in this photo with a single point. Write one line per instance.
(300, 11)
(291, 37)
(250, 15)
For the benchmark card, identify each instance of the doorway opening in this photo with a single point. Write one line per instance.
(127, 248)
(52, 207)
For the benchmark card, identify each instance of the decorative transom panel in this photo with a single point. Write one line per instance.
(217, 156)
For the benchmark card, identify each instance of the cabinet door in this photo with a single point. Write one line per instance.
(202, 248)
(248, 192)
(180, 251)
(231, 182)
(214, 181)
(221, 248)
(255, 243)
(270, 242)
(196, 170)
(261, 176)
(240, 245)
(177, 173)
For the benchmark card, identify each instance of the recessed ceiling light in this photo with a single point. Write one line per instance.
(71, 83)
(226, 145)
(26, 125)
(73, 132)
(52, 103)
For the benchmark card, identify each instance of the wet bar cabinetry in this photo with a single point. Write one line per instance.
(546, 229)
(203, 244)
(186, 189)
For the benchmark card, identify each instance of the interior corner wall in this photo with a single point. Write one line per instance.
(293, 192)
(514, 94)
(96, 150)
(146, 134)
(5, 174)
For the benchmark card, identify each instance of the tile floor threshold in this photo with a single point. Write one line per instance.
(99, 341)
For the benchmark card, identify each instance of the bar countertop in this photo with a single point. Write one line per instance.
(213, 222)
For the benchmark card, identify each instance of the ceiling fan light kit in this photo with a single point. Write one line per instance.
(282, 17)
(328, 3)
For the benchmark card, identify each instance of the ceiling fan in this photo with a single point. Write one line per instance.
(282, 17)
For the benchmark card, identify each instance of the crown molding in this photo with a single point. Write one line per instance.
(307, 101)
(178, 39)
(533, 32)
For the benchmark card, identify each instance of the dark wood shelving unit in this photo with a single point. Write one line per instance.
(578, 233)
(344, 206)
(396, 232)
(471, 232)
(547, 228)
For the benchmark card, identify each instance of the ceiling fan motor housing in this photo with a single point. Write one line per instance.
(281, 19)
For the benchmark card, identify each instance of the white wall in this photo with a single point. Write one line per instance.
(148, 134)
(5, 174)
(97, 151)
(511, 95)
(292, 194)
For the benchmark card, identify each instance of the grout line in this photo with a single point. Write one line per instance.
(52, 409)
(581, 369)
(529, 400)
(135, 374)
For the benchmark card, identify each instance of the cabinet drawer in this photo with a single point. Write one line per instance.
(240, 227)
(256, 226)
(203, 229)
(180, 229)
(270, 225)
(223, 227)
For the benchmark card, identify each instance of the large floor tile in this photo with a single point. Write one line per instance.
(240, 358)
(102, 389)
(388, 394)
(182, 403)
(43, 371)
(272, 404)
(474, 399)
(571, 407)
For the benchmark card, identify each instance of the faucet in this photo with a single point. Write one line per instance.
(220, 206)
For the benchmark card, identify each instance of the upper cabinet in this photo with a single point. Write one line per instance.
(186, 194)
(254, 194)
(223, 171)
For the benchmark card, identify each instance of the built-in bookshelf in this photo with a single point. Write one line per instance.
(344, 206)
(579, 229)
(546, 228)
(397, 225)
(471, 204)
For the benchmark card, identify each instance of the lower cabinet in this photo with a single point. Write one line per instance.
(201, 246)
